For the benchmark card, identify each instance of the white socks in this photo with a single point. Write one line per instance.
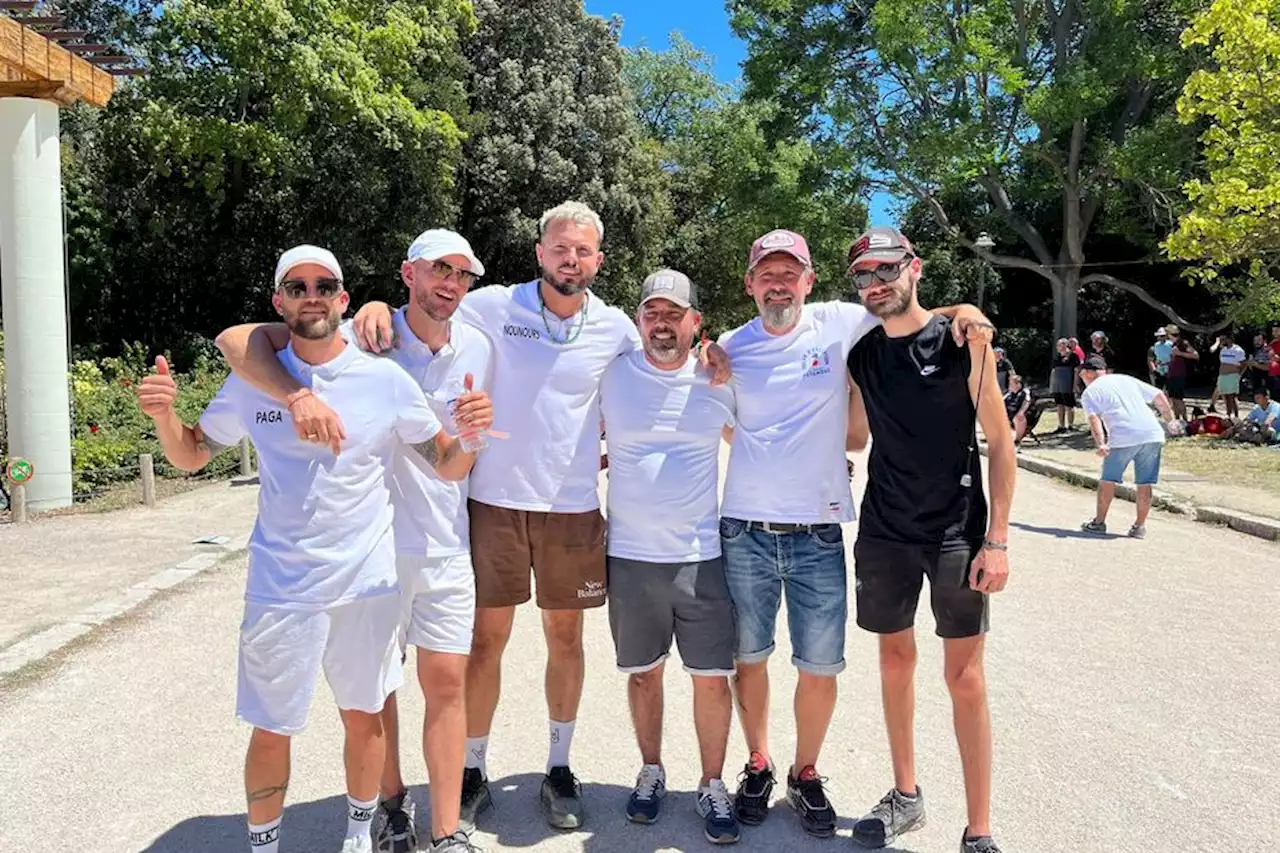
(359, 817)
(561, 741)
(264, 837)
(477, 750)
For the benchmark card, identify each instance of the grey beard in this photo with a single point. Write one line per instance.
(667, 352)
(779, 316)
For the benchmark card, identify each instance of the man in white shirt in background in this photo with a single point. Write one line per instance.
(663, 422)
(534, 501)
(437, 584)
(1132, 434)
(1231, 359)
(321, 587)
(787, 491)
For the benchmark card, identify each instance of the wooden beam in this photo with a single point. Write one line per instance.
(42, 21)
(17, 5)
(115, 59)
(60, 35)
(37, 67)
(88, 48)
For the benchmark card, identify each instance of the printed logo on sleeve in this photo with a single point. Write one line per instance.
(816, 362)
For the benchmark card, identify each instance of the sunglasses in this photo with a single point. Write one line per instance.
(446, 270)
(862, 279)
(326, 288)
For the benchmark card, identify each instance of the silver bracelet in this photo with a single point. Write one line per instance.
(989, 545)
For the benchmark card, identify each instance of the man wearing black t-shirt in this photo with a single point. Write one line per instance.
(925, 515)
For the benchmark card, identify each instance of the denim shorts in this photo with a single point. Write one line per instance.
(810, 567)
(1145, 459)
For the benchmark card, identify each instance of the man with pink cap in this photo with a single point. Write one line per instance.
(786, 494)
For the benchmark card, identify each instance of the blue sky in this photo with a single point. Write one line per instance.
(706, 24)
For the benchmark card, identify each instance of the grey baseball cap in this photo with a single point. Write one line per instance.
(670, 285)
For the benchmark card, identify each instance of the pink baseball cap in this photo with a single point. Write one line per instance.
(787, 242)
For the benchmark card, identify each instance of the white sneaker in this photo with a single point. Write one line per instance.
(359, 844)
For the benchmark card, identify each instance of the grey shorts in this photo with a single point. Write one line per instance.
(651, 602)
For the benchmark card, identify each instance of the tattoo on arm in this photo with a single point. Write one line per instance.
(428, 451)
(203, 442)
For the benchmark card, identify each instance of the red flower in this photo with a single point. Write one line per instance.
(93, 428)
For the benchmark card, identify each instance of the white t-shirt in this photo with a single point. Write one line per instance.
(787, 463)
(1233, 354)
(1123, 403)
(546, 396)
(323, 535)
(663, 432)
(431, 513)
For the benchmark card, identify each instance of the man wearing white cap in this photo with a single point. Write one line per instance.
(663, 421)
(320, 593)
(534, 502)
(432, 534)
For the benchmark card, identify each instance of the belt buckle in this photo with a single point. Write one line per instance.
(778, 530)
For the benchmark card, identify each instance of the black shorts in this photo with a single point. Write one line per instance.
(1068, 399)
(1158, 380)
(889, 577)
(1176, 387)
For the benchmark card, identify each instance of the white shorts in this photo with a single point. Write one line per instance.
(437, 603)
(283, 651)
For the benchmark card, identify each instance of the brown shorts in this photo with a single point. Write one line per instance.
(565, 550)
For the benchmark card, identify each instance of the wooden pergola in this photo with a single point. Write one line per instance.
(40, 60)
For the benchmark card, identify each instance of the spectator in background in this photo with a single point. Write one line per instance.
(1122, 405)
(1004, 369)
(1101, 345)
(1273, 369)
(1262, 424)
(1259, 365)
(1016, 402)
(1179, 369)
(1158, 356)
(1231, 359)
(1075, 347)
(1062, 379)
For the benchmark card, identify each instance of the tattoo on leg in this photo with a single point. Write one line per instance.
(267, 793)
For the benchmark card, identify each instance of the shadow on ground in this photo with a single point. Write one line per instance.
(514, 822)
(1063, 532)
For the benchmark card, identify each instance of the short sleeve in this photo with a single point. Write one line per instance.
(477, 308)
(221, 420)
(1149, 391)
(630, 336)
(855, 321)
(1088, 402)
(414, 420)
(730, 400)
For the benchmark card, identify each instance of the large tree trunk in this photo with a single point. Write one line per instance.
(1066, 294)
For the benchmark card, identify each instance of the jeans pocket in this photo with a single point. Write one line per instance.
(828, 536)
(732, 528)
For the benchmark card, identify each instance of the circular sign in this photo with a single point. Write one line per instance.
(19, 470)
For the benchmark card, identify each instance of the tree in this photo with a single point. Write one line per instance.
(729, 183)
(1234, 215)
(552, 122)
(262, 124)
(1054, 111)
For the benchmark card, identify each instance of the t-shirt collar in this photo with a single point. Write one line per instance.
(328, 370)
(411, 343)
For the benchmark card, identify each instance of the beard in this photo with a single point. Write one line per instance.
(895, 305)
(566, 288)
(438, 311)
(666, 350)
(314, 328)
(779, 315)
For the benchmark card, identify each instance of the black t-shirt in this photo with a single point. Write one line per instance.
(916, 391)
(1013, 401)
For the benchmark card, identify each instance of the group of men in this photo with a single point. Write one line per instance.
(377, 530)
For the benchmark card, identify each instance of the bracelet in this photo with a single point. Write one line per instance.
(989, 545)
(296, 396)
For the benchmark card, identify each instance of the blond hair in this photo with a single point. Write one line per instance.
(571, 211)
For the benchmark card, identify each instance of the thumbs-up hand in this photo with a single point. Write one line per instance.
(158, 392)
(474, 412)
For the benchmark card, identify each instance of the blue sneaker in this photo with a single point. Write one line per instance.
(716, 810)
(646, 799)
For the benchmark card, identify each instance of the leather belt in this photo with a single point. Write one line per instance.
(782, 529)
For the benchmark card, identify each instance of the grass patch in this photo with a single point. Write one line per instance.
(1226, 462)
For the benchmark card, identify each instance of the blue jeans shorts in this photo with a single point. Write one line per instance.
(810, 567)
(1145, 459)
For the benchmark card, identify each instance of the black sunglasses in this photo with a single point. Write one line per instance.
(445, 270)
(862, 279)
(326, 288)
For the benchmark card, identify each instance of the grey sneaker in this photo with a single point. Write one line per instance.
(562, 799)
(981, 844)
(393, 829)
(1094, 526)
(891, 817)
(475, 798)
(1138, 531)
(458, 842)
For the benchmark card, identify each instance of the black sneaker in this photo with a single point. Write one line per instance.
(890, 818)
(561, 797)
(394, 831)
(475, 798)
(755, 789)
(807, 797)
(981, 844)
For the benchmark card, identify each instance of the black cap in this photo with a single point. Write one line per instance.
(1095, 362)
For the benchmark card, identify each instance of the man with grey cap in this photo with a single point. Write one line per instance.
(663, 423)
(321, 589)
(445, 359)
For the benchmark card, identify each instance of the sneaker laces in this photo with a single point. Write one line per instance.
(886, 808)
(563, 782)
(648, 781)
(811, 789)
(718, 798)
(459, 841)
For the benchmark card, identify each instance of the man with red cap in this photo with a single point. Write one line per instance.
(786, 494)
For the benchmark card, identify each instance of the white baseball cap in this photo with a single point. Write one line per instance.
(307, 254)
(436, 243)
